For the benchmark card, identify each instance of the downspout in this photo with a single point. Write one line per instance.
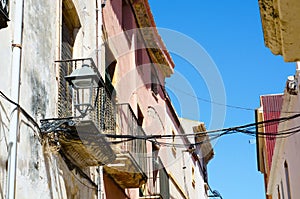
(99, 6)
(184, 173)
(99, 182)
(15, 94)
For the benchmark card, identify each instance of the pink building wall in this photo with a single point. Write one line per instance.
(132, 81)
(112, 190)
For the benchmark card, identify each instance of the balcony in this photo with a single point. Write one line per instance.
(4, 12)
(81, 140)
(158, 181)
(129, 167)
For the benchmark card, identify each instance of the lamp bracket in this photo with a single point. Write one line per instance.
(56, 124)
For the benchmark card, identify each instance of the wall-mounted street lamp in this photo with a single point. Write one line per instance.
(216, 194)
(4, 13)
(84, 81)
(77, 136)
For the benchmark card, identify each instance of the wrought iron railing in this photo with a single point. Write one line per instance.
(158, 179)
(127, 124)
(4, 13)
(103, 116)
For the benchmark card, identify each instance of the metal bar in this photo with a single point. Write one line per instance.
(74, 60)
(15, 95)
(63, 118)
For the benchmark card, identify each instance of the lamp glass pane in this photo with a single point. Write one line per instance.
(82, 83)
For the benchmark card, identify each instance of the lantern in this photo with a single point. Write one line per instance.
(84, 81)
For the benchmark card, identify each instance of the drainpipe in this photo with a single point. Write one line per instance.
(15, 93)
(100, 180)
(184, 173)
(99, 6)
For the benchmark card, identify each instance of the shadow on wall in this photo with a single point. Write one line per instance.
(39, 98)
(4, 147)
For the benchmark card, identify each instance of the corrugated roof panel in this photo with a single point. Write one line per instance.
(271, 110)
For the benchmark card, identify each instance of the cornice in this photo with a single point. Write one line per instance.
(153, 41)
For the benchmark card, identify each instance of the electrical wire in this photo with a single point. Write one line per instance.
(212, 134)
(23, 111)
(222, 104)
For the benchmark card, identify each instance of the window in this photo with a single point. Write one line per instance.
(155, 161)
(278, 192)
(287, 180)
(154, 81)
(193, 178)
(282, 190)
(127, 16)
(140, 116)
(164, 183)
(110, 69)
(70, 25)
(4, 12)
(173, 142)
(140, 53)
(139, 56)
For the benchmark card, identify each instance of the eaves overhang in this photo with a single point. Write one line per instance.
(157, 49)
(280, 22)
(202, 137)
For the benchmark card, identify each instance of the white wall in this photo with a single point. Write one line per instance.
(179, 164)
(41, 172)
(287, 149)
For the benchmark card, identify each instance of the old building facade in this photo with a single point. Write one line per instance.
(84, 110)
(278, 156)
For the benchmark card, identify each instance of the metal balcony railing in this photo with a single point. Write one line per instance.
(127, 124)
(80, 137)
(158, 180)
(104, 114)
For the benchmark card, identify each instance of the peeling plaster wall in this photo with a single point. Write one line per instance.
(41, 171)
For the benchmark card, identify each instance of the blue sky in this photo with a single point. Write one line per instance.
(231, 33)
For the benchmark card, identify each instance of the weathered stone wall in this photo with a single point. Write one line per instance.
(41, 170)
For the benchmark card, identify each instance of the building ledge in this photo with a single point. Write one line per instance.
(151, 197)
(126, 172)
(154, 43)
(82, 143)
(280, 21)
